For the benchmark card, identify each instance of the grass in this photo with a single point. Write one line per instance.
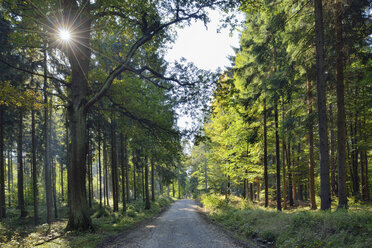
(16, 232)
(293, 228)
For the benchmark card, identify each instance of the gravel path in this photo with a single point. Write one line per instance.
(180, 226)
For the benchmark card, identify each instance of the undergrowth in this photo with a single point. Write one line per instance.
(293, 228)
(16, 232)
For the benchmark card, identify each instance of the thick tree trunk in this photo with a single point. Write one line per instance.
(89, 172)
(311, 146)
(147, 193)
(152, 181)
(34, 170)
(277, 150)
(123, 162)
(341, 118)
(325, 194)
(21, 200)
(2, 165)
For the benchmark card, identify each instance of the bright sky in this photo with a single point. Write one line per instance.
(206, 48)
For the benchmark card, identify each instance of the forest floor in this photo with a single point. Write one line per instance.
(295, 227)
(180, 226)
(16, 232)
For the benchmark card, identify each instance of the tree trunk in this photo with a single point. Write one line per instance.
(258, 189)
(127, 176)
(284, 166)
(152, 181)
(105, 165)
(89, 155)
(290, 191)
(325, 194)
(341, 118)
(277, 150)
(143, 181)
(147, 193)
(21, 200)
(134, 176)
(173, 190)
(251, 191)
(99, 167)
(54, 176)
(265, 156)
(34, 170)
(123, 162)
(10, 176)
(332, 152)
(311, 146)
(114, 169)
(366, 176)
(2, 166)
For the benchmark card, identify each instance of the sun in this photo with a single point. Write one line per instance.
(64, 35)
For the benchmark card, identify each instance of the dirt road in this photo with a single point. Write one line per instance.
(180, 226)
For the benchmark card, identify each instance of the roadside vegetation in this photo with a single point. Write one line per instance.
(297, 227)
(17, 232)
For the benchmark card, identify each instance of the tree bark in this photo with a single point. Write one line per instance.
(21, 200)
(290, 190)
(2, 166)
(332, 153)
(105, 165)
(99, 167)
(134, 176)
(147, 193)
(152, 181)
(283, 165)
(277, 150)
(114, 169)
(311, 146)
(123, 162)
(266, 179)
(325, 194)
(34, 170)
(341, 118)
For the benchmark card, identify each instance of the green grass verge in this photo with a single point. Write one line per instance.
(16, 232)
(294, 228)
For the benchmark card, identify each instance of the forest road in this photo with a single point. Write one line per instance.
(180, 226)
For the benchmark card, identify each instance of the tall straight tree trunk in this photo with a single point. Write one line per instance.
(251, 191)
(311, 146)
(114, 169)
(10, 176)
(105, 165)
(68, 159)
(54, 177)
(48, 193)
(266, 179)
(290, 190)
(34, 170)
(173, 190)
(123, 163)
(366, 176)
(127, 176)
(2, 166)
(62, 193)
(294, 183)
(277, 150)
(99, 167)
(325, 194)
(283, 164)
(21, 200)
(147, 193)
(332, 152)
(341, 118)
(89, 172)
(143, 182)
(134, 176)
(152, 181)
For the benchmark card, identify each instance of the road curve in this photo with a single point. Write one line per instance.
(180, 226)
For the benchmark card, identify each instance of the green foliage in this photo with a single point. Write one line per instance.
(16, 232)
(297, 228)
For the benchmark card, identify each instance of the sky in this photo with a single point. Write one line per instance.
(206, 48)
